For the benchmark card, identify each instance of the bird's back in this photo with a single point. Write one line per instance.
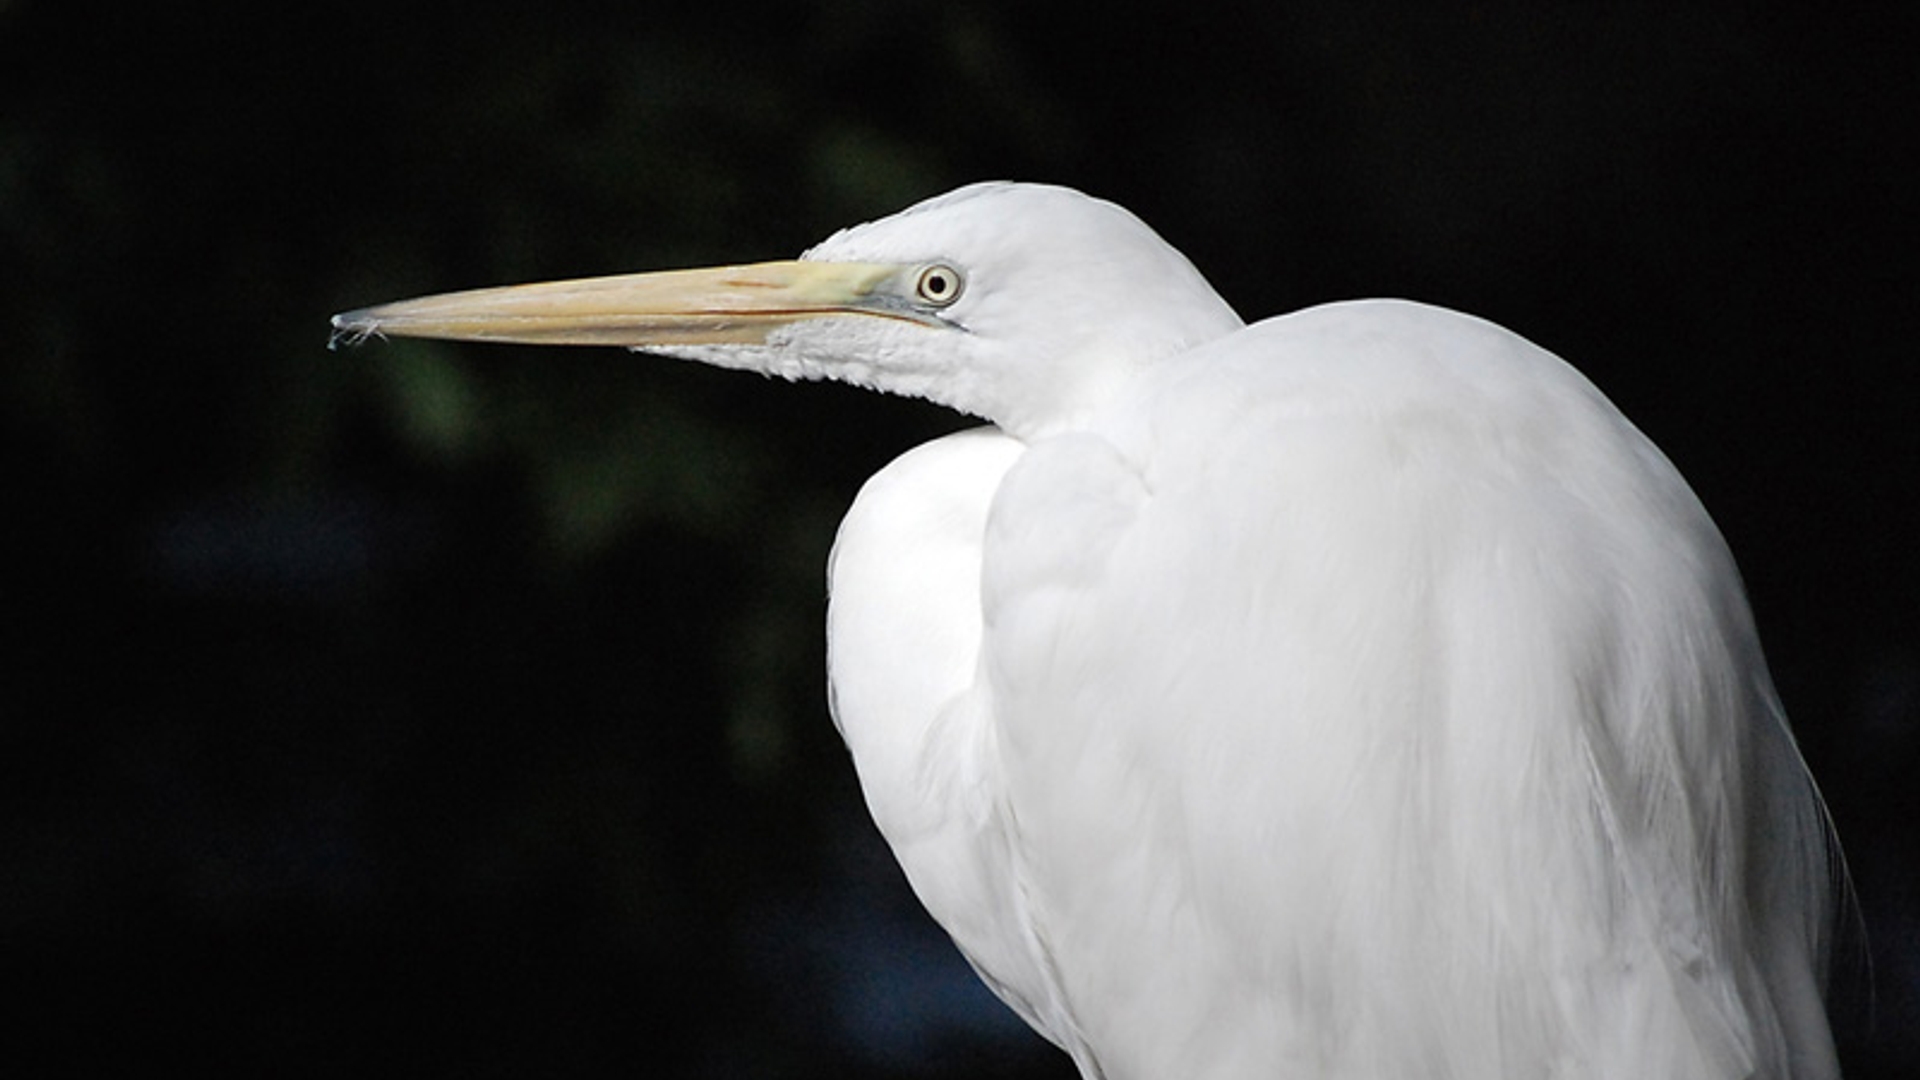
(1408, 722)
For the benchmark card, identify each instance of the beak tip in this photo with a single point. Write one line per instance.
(350, 328)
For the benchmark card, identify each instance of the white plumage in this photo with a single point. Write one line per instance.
(1353, 694)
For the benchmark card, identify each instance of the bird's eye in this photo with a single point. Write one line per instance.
(938, 285)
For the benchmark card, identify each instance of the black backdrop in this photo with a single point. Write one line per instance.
(459, 709)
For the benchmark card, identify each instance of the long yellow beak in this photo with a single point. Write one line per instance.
(727, 305)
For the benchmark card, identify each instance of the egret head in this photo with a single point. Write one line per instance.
(1023, 304)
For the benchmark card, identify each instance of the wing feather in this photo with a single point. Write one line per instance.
(1410, 723)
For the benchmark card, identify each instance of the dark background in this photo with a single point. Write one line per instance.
(458, 710)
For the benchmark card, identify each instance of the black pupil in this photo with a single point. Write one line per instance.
(936, 285)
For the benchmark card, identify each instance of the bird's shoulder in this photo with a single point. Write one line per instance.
(1372, 429)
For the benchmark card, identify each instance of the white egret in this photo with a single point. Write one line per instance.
(1351, 694)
